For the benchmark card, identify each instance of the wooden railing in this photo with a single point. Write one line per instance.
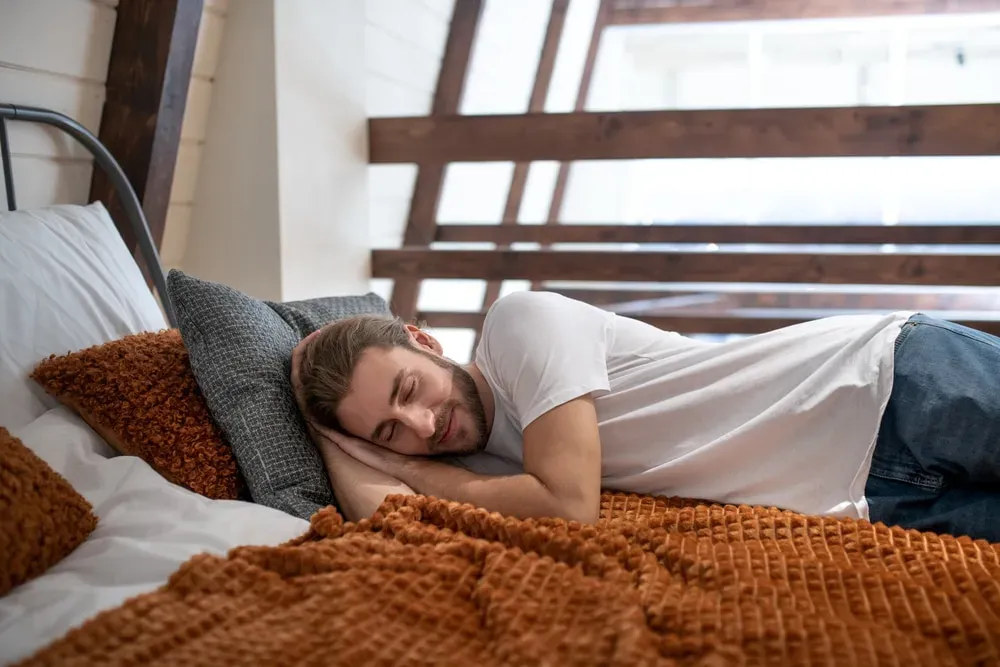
(831, 254)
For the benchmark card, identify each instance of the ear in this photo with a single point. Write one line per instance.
(424, 340)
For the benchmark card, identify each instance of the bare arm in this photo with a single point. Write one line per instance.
(562, 469)
(359, 488)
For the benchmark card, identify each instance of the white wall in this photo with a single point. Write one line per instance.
(280, 205)
(53, 54)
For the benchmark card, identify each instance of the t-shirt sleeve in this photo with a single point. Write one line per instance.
(543, 349)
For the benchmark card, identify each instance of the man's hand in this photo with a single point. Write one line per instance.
(376, 457)
(562, 469)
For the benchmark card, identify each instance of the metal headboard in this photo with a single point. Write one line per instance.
(104, 159)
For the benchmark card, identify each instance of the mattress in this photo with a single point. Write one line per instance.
(147, 527)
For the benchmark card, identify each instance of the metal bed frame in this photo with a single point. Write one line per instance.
(107, 162)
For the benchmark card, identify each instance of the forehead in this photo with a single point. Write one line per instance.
(371, 386)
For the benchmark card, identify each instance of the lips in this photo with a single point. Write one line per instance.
(449, 430)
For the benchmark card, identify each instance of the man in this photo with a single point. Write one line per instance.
(890, 417)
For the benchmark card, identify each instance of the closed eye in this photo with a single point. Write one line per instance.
(412, 389)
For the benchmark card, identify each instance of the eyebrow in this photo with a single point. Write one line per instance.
(397, 382)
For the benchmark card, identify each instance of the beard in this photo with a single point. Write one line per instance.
(470, 401)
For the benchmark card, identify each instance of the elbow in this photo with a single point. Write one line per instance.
(582, 512)
(586, 516)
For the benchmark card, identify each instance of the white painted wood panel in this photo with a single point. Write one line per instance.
(194, 133)
(386, 97)
(79, 100)
(46, 181)
(175, 235)
(206, 53)
(412, 22)
(69, 38)
(186, 173)
(195, 124)
(440, 7)
(218, 6)
(399, 60)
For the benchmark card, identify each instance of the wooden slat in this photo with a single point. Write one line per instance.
(422, 218)
(699, 324)
(148, 77)
(582, 93)
(855, 268)
(722, 299)
(536, 103)
(955, 233)
(972, 129)
(631, 12)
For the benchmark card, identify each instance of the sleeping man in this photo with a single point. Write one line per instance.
(892, 418)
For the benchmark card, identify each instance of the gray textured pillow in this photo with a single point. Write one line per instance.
(240, 349)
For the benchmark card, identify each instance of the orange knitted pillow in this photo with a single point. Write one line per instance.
(140, 395)
(42, 517)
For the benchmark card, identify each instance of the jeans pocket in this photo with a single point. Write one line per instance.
(892, 460)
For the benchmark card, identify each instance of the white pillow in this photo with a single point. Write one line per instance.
(67, 282)
(147, 527)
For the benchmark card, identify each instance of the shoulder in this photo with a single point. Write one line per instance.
(532, 323)
(520, 308)
(522, 302)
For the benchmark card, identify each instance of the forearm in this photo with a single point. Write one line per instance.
(523, 496)
(359, 488)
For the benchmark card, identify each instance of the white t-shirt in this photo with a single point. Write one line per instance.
(786, 418)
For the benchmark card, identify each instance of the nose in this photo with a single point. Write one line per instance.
(420, 420)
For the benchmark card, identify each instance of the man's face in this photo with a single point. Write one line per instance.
(414, 402)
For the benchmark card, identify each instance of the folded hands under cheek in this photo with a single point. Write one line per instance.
(380, 458)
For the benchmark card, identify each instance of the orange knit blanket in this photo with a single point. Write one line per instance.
(656, 582)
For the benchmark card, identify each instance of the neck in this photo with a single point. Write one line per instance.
(485, 393)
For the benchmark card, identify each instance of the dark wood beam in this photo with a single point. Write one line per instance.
(811, 233)
(152, 55)
(879, 298)
(693, 324)
(632, 12)
(536, 104)
(839, 268)
(422, 218)
(972, 129)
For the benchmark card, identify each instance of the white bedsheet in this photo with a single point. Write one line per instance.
(147, 527)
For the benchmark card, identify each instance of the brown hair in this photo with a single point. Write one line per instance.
(329, 360)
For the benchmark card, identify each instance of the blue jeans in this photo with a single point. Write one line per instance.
(936, 464)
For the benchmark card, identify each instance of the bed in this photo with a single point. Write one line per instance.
(169, 575)
(147, 526)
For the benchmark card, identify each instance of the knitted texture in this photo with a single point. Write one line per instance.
(241, 356)
(655, 582)
(139, 393)
(42, 517)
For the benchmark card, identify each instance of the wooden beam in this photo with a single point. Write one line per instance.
(839, 268)
(536, 104)
(582, 93)
(972, 129)
(811, 233)
(422, 218)
(632, 12)
(694, 324)
(878, 298)
(152, 54)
